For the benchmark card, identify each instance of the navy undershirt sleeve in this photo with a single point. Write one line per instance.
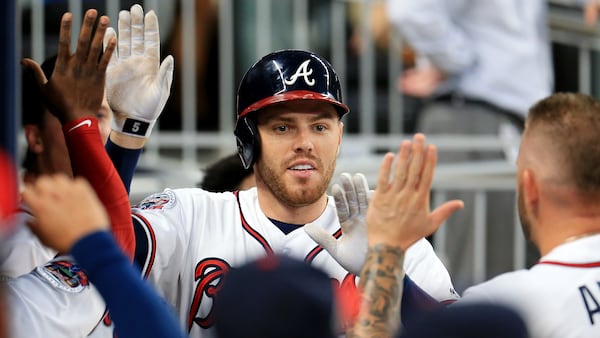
(415, 302)
(135, 307)
(125, 161)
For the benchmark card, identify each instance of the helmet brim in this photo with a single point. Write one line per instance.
(296, 95)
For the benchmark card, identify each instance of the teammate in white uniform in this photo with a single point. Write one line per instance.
(147, 86)
(559, 201)
(289, 129)
(55, 299)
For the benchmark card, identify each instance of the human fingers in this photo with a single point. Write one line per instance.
(383, 178)
(108, 57)
(64, 42)
(151, 36)
(350, 193)
(108, 36)
(425, 180)
(341, 204)
(36, 70)
(85, 35)
(137, 30)
(362, 191)
(98, 38)
(444, 211)
(401, 170)
(416, 162)
(124, 27)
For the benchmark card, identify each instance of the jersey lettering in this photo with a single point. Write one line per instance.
(591, 303)
(209, 272)
(303, 71)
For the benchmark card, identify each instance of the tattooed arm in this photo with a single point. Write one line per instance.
(397, 217)
(381, 280)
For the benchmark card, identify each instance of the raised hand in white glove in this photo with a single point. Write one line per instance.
(351, 203)
(137, 84)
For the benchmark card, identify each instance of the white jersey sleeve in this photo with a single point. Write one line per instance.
(426, 269)
(54, 300)
(22, 251)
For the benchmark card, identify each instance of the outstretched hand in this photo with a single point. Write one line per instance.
(399, 213)
(351, 201)
(137, 84)
(65, 210)
(76, 87)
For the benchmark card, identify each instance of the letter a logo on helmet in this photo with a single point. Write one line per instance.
(281, 76)
(303, 71)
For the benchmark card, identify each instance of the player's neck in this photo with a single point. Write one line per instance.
(275, 209)
(571, 231)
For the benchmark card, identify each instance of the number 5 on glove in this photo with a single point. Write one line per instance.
(137, 85)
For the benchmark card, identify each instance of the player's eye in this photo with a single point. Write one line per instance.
(101, 115)
(320, 127)
(281, 128)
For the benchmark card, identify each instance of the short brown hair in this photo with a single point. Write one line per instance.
(572, 122)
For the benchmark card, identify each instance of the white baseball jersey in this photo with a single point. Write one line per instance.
(558, 297)
(194, 237)
(54, 300)
(22, 251)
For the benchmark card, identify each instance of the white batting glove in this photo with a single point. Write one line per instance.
(137, 84)
(351, 203)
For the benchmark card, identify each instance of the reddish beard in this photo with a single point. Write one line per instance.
(295, 196)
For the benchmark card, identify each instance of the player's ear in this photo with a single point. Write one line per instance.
(34, 138)
(531, 192)
(340, 138)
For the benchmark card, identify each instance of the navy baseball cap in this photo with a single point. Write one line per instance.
(471, 320)
(276, 297)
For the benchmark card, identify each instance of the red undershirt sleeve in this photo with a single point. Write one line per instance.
(90, 160)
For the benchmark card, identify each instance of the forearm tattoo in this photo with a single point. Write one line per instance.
(381, 281)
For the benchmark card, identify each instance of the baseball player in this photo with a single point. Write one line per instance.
(56, 299)
(558, 188)
(148, 87)
(289, 129)
(83, 233)
(38, 304)
(62, 285)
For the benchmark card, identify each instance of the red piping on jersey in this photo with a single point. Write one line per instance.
(152, 244)
(572, 265)
(249, 229)
(317, 250)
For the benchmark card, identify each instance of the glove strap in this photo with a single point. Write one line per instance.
(133, 127)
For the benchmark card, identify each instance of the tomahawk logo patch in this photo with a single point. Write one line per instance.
(302, 71)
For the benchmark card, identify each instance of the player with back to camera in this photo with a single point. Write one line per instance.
(289, 130)
(558, 185)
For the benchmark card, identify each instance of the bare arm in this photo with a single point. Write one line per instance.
(397, 217)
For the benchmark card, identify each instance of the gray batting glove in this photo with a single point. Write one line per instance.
(351, 203)
(137, 84)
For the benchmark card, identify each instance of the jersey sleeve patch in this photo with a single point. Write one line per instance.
(162, 200)
(64, 275)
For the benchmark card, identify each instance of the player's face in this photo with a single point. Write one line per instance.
(299, 144)
(54, 156)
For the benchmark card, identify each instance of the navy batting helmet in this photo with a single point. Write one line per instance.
(285, 75)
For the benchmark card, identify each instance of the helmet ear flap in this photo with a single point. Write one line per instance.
(248, 141)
